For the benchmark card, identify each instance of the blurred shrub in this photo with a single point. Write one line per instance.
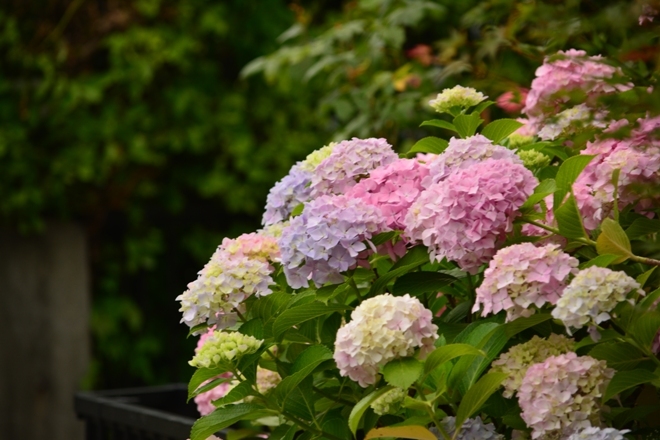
(128, 116)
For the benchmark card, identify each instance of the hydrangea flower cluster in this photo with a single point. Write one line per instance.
(567, 73)
(267, 379)
(466, 216)
(567, 121)
(512, 101)
(314, 158)
(533, 159)
(348, 162)
(222, 347)
(524, 275)
(389, 402)
(286, 194)
(392, 188)
(327, 238)
(457, 96)
(472, 429)
(381, 329)
(591, 295)
(238, 269)
(594, 433)
(562, 394)
(637, 158)
(205, 400)
(519, 358)
(463, 153)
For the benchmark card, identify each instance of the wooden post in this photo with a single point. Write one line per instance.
(44, 332)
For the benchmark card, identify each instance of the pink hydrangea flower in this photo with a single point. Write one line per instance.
(381, 329)
(463, 153)
(392, 188)
(567, 73)
(524, 276)
(637, 157)
(348, 162)
(512, 101)
(466, 216)
(562, 394)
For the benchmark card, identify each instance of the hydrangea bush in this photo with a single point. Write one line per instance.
(499, 284)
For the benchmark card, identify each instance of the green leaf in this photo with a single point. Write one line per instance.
(448, 352)
(569, 220)
(645, 328)
(224, 417)
(299, 314)
(239, 392)
(414, 258)
(439, 123)
(198, 329)
(457, 313)
(618, 355)
(477, 395)
(466, 125)
(613, 241)
(403, 372)
(500, 129)
(641, 227)
(418, 283)
(600, 261)
(542, 190)
(428, 144)
(643, 278)
(649, 299)
(518, 325)
(383, 237)
(482, 106)
(624, 380)
(254, 328)
(200, 376)
(302, 367)
(359, 409)
(568, 173)
(295, 212)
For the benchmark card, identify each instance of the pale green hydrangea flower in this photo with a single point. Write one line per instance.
(533, 159)
(314, 158)
(457, 96)
(519, 358)
(224, 347)
(518, 140)
(389, 402)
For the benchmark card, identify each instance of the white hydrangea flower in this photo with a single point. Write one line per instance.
(591, 295)
(457, 96)
(383, 328)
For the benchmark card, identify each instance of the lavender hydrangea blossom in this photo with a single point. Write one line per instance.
(327, 238)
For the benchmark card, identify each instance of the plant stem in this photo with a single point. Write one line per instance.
(351, 281)
(555, 231)
(431, 413)
(645, 260)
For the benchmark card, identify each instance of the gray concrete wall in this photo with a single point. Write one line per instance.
(44, 334)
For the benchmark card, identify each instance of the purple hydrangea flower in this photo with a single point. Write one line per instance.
(327, 238)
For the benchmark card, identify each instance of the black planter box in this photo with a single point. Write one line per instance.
(150, 413)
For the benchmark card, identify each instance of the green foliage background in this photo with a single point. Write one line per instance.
(133, 118)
